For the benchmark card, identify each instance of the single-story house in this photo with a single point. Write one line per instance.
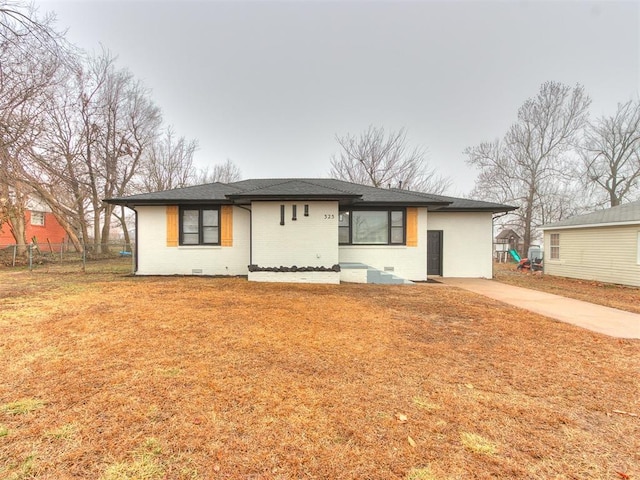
(311, 230)
(602, 246)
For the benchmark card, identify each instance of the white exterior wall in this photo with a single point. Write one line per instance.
(296, 277)
(406, 262)
(604, 254)
(467, 243)
(155, 258)
(306, 242)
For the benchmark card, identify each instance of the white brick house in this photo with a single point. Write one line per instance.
(311, 230)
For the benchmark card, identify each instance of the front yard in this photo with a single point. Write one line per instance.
(113, 377)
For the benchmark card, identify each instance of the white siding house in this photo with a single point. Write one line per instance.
(602, 246)
(311, 230)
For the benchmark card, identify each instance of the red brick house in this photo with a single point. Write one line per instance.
(39, 224)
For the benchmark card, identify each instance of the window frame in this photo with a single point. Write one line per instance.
(554, 247)
(40, 215)
(200, 209)
(390, 227)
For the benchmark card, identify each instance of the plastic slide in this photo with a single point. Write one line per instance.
(515, 255)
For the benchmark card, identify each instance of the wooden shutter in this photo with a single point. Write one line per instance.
(412, 226)
(172, 226)
(226, 225)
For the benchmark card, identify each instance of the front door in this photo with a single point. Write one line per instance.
(434, 252)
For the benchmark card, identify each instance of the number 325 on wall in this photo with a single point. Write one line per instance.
(329, 216)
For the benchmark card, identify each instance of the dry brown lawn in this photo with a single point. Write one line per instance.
(607, 294)
(112, 377)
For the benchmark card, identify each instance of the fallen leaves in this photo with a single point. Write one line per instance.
(401, 417)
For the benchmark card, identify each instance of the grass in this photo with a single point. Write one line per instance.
(144, 465)
(21, 407)
(108, 376)
(64, 432)
(610, 295)
(421, 474)
(478, 444)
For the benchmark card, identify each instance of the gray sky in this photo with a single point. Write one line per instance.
(269, 84)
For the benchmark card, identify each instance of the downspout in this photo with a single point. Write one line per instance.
(250, 233)
(493, 244)
(135, 253)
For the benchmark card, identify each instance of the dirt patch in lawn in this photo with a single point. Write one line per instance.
(607, 294)
(198, 378)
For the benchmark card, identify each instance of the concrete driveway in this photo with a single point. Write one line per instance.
(610, 321)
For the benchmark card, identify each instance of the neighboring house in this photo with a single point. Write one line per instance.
(602, 246)
(40, 224)
(311, 230)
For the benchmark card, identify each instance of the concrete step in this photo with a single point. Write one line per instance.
(371, 275)
(385, 278)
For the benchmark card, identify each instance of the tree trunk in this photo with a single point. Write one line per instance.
(18, 228)
(125, 230)
(613, 199)
(528, 220)
(106, 227)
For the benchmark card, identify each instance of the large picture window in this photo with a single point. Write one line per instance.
(199, 226)
(371, 227)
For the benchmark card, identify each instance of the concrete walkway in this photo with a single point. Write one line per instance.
(610, 321)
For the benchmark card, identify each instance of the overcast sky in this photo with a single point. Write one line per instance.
(269, 84)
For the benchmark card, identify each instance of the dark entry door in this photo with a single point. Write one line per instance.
(434, 252)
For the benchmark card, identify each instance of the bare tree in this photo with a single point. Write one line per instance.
(98, 127)
(168, 163)
(30, 55)
(226, 172)
(129, 124)
(611, 154)
(381, 160)
(534, 157)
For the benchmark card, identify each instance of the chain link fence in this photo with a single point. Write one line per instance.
(64, 257)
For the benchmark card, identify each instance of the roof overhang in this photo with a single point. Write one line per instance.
(591, 225)
(472, 210)
(151, 203)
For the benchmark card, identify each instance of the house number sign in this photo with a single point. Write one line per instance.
(329, 216)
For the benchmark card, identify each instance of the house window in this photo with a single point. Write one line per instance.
(199, 226)
(371, 227)
(37, 218)
(343, 227)
(554, 243)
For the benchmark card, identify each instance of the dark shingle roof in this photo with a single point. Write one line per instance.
(627, 213)
(198, 193)
(288, 188)
(306, 188)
